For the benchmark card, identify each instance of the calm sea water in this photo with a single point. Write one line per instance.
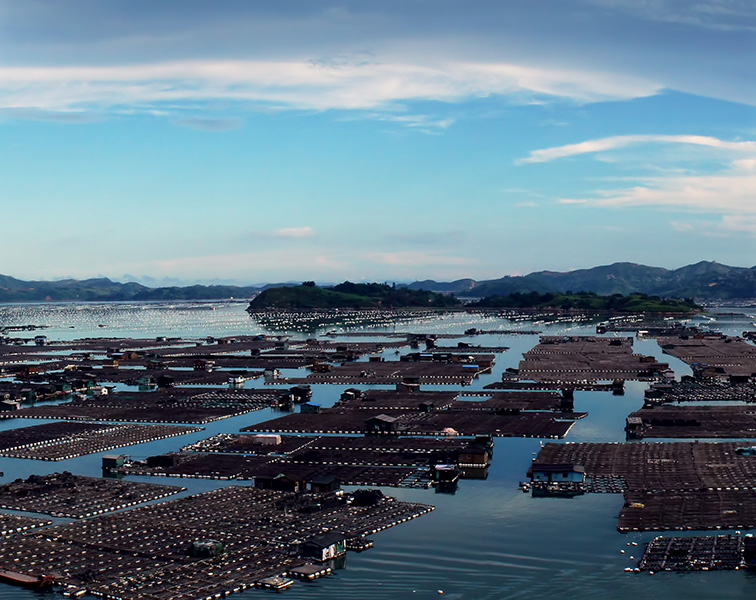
(488, 541)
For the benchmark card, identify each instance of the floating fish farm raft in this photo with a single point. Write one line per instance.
(76, 496)
(10, 524)
(201, 406)
(712, 355)
(693, 422)
(215, 543)
(674, 485)
(301, 460)
(709, 553)
(690, 390)
(202, 546)
(587, 359)
(62, 440)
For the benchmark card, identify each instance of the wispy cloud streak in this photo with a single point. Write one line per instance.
(729, 192)
(622, 141)
(299, 84)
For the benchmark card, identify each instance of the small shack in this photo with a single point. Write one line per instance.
(113, 461)
(301, 393)
(324, 484)
(323, 547)
(381, 424)
(557, 472)
(280, 482)
(634, 427)
(474, 454)
(445, 474)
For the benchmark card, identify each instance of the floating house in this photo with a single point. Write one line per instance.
(113, 461)
(556, 472)
(634, 427)
(324, 484)
(474, 454)
(381, 424)
(324, 547)
(280, 482)
(445, 474)
(10, 405)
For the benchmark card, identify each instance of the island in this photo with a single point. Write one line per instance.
(631, 303)
(349, 295)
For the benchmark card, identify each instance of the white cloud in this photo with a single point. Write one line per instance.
(739, 223)
(294, 232)
(730, 192)
(300, 84)
(726, 226)
(621, 141)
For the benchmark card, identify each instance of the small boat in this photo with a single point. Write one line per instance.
(29, 581)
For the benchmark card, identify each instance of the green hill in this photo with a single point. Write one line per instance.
(104, 290)
(589, 300)
(705, 280)
(348, 295)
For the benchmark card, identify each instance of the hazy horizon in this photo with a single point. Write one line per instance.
(173, 281)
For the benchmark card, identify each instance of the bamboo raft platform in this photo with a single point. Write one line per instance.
(362, 469)
(712, 353)
(11, 524)
(461, 421)
(587, 359)
(693, 422)
(200, 405)
(671, 485)
(467, 349)
(700, 553)
(511, 384)
(689, 510)
(391, 373)
(143, 553)
(660, 466)
(96, 437)
(76, 496)
(699, 391)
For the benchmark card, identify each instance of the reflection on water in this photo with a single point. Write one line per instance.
(488, 540)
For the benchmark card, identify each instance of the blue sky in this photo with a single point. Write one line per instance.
(246, 142)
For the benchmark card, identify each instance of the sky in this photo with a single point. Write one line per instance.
(244, 142)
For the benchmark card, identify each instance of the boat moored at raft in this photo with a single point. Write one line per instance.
(24, 580)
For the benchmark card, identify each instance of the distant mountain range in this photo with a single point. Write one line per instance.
(103, 289)
(704, 280)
